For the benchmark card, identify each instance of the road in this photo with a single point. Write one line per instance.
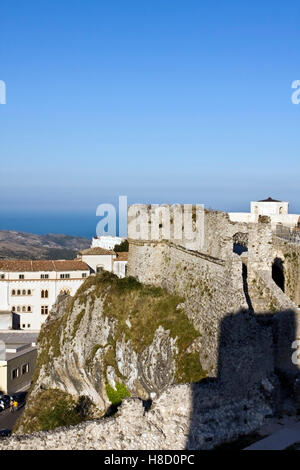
(8, 419)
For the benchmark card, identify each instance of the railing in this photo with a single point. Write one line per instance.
(292, 235)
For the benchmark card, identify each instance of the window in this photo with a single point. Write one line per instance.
(84, 274)
(2, 276)
(23, 292)
(44, 294)
(19, 309)
(13, 309)
(25, 369)
(28, 308)
(44, 276)
(44, 309)
(65, 276)
(21, 276)
(18, 292)
(28, 326)
(29, 292)
(15, 373)
(13, 292)
(24, 309)
(23, 326)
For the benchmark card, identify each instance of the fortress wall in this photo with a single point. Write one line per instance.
(211, 279)
(289, 254)
(266, 296)
(259, 249)
(211, 288)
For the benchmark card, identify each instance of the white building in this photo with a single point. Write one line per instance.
(29, 289)
(278, 211)
(100, 258)
(120, 264)
(106, 242)
(17, 360)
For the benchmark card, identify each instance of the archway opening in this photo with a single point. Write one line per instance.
(278, 273)
(240, 243)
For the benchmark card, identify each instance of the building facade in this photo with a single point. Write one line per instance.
(278, 211)
(18, 355)
(29, 289)
(100, 258)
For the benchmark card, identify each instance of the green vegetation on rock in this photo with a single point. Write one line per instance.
(117, 395)
(50, 409)
(146, 308)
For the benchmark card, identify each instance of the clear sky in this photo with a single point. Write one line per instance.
(161, 100)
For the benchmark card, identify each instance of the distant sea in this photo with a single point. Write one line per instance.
(76, 224)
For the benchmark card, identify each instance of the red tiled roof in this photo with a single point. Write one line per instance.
(42, 265)
(121, 256)
(97, 251)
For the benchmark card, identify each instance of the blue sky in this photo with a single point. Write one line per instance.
(164, 101)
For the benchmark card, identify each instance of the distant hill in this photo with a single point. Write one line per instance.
(21, 245)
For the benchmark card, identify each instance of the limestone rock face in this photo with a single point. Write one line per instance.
(114, 333)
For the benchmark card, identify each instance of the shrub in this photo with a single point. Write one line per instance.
(51, 408)
(124, 246)
(116, 396)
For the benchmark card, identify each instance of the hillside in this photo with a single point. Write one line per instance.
(21, 245)
(122, 346)
(116, 338)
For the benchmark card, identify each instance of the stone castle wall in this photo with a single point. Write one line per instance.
(211, 288)
(211, 278)
(289, 255)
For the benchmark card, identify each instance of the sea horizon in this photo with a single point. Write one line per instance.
(81, 224)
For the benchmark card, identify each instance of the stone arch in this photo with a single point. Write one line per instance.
(240, 242)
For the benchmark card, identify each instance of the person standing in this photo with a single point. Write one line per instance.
(11, 405)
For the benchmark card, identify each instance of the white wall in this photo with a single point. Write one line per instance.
(6, 320)
(106, 242)
(120, 268)
(33, 283)
(289, 220)
(269, 208)
(95, 261)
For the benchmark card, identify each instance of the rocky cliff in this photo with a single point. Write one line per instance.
(116, 338)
